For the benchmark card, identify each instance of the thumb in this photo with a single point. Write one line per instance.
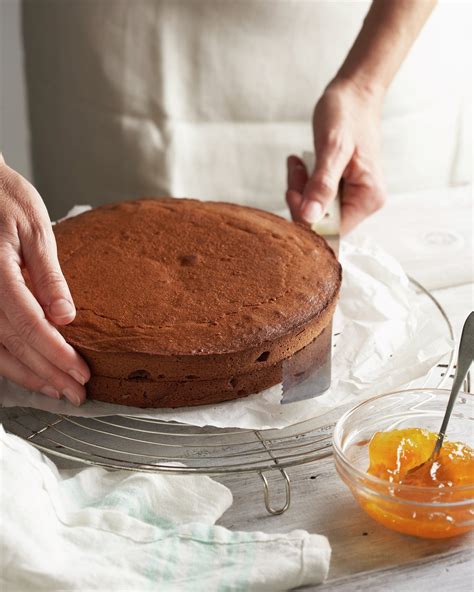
(322, 186)
(47, 280)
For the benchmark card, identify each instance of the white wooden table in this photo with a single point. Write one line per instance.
(430, 233)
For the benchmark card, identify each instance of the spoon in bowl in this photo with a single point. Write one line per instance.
(465, 358)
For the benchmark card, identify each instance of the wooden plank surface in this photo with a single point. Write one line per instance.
(449, 571)
(322, 504)
(429, 232)
(366, 556)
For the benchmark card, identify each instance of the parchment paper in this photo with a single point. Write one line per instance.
(387, 339)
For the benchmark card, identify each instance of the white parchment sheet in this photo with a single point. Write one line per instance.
(387, 339)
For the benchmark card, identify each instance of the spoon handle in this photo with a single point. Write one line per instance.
(465, 358)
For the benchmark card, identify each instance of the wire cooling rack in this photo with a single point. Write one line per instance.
(142, 444)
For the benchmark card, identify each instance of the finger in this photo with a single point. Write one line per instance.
(27, 318)
(294, 200)
(48, 283)
(40, 258)
(12, 369)
(363, 192)
(297, 177)
(359, 206)
(39, 365)
(322, 186)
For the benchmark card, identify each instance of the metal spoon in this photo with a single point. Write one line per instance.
(465, 358)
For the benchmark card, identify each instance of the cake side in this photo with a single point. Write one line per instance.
(141, 391)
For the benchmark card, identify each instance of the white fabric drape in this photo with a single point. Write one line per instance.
(206, 98)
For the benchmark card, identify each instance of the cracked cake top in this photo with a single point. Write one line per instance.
(185, 277)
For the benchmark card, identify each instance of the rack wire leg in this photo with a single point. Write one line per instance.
(266, 494)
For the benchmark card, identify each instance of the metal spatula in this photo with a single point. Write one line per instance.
(307, 374)
(465, 359)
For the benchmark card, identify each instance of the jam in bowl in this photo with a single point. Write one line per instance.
(381, 448)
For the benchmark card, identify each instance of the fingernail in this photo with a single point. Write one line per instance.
(50, 392)
(77, 376)
(72, 397)
(61, 308)
(312, 211)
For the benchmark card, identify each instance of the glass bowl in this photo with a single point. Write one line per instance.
(429, 512)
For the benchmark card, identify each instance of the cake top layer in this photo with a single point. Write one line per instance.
(180, 276)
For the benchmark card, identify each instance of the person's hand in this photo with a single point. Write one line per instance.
(32, 352)
(346, 141)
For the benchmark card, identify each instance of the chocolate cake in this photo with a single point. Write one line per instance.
(181, 302)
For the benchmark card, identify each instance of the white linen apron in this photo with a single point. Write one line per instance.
(206, 98)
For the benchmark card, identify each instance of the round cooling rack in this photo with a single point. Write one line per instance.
(142, 444)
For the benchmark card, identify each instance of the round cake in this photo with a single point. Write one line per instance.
(182, 302)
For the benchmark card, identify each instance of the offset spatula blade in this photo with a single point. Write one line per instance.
(307, 374)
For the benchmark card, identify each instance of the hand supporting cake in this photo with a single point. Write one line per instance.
(181, 302)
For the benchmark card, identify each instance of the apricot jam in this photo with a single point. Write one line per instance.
(426, 502)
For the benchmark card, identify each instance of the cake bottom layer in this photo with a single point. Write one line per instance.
(145, 393)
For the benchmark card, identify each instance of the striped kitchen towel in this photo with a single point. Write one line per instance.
(131, 532)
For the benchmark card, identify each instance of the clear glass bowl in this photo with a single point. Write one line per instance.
(429, 512)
